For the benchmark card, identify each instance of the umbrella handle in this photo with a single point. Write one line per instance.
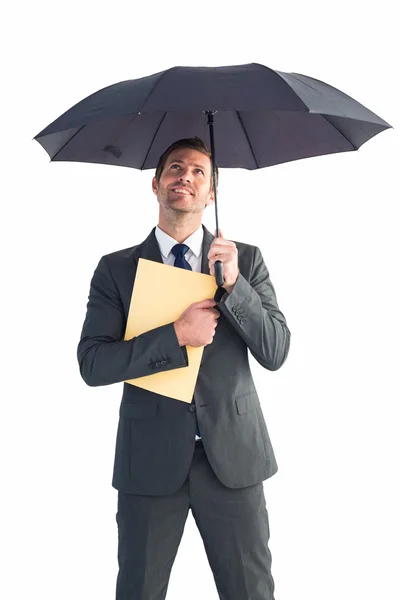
(219, 273)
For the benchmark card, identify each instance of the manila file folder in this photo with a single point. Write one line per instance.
(160, 295)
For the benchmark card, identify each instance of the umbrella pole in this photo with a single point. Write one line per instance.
(218, 266)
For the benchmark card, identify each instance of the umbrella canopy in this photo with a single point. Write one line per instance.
(265, 117)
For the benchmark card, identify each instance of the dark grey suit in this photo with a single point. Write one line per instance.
(155, 446)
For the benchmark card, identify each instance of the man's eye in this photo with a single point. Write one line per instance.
(175, 165)
(200, 171)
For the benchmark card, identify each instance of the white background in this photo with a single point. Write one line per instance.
(328, 229)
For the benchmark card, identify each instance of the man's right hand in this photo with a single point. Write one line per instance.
(196, 325)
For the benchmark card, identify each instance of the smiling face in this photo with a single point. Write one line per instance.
(185, 184)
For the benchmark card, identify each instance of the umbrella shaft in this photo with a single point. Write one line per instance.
(210, 123)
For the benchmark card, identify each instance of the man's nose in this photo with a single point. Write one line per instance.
(185, 175)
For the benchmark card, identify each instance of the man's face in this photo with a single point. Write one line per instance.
(185, 183)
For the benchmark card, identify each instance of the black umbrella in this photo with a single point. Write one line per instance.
(265, 117)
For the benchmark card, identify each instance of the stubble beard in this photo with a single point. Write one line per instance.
(178, 214)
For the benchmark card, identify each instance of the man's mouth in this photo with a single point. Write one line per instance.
(181, 190)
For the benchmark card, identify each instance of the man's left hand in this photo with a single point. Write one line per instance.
(225, 251)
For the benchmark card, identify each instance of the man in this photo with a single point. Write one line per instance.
(161, 469)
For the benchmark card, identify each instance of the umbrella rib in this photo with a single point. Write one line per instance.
(155, 86)
(324, 116)
(67, 142)
(247, 138)
(154, 137)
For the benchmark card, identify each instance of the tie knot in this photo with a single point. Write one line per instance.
(180, 249)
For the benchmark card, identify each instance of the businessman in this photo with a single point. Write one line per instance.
(210, 456)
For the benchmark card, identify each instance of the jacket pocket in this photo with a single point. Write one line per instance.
(138, 410)
(246, 402)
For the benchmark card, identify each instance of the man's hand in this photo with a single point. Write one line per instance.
(196, 325)
(225, 251)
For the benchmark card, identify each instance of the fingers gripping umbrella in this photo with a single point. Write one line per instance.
(265, 117)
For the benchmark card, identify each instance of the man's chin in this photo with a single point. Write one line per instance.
(181, 203)
(184, 210)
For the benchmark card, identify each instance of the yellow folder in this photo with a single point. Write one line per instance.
(160, 295)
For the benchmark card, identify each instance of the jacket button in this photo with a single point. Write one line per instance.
(192, 407)
(158, 364)
(163, 363)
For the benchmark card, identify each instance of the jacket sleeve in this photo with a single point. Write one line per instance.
(252, 309)
(104, 356)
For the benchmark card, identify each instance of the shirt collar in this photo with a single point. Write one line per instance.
(166, 242)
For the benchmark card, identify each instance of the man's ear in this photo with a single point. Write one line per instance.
(154, 185)
(210, 201)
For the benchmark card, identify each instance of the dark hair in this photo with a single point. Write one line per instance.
(194, 143)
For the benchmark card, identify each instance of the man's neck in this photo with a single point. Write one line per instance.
(179, 232)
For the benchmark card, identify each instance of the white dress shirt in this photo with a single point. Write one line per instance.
(194, 241)
(193, 256)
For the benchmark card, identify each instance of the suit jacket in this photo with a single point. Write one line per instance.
(156, 434)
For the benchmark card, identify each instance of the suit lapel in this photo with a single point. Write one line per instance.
(150, 249)
(207, 241)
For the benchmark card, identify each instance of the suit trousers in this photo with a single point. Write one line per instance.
(233, 524)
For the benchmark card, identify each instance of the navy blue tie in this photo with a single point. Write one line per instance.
(179, 251)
